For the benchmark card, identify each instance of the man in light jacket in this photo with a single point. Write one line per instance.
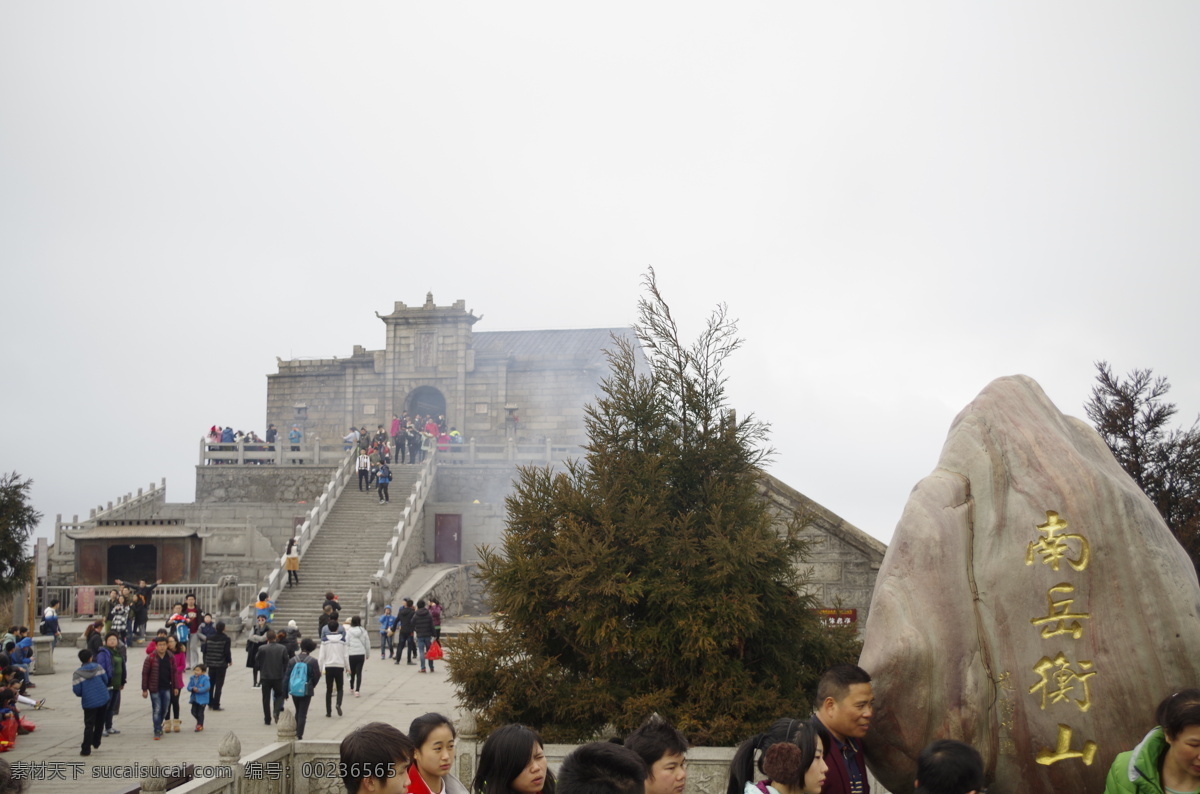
(333, 658)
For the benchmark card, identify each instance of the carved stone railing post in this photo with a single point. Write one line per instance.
(229, 750)
(467, 746)
(153, 782)
(285, 730)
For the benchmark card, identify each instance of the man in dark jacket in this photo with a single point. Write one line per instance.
(404, 625)
(327, 613)
(140, 600)
(844, 707)
(423, 629)
(301, 702)
(218, 656)
(158, 683)
(272, 664)
(114, 661)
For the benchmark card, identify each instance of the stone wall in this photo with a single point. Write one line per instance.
(843, 560)
(482, 524)
(456, 489)
(551, 402)
(467, 483)
(483, 414)
(243, 539)
(261, 484)
(454, 592)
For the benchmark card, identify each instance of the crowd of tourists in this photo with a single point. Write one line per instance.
(406, 440)
(16, 656)
(338, 653)
(226, 439)
(818, 754)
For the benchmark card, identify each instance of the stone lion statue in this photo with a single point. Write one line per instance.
(227, 598)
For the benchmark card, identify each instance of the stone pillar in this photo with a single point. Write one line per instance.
(286, 727)
(467, 746)
(230, 750)
(43, 655)
(154, 782)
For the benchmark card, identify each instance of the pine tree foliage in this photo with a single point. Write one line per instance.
(649, 576)
(17, 522)
(1132, 416)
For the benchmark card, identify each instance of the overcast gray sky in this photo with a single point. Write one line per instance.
(900, 201)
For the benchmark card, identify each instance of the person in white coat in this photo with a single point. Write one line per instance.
(358, 647)
(333, 658)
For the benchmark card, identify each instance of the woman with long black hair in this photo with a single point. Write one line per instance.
(513, 761)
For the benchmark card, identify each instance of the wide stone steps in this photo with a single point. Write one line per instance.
(345, 554)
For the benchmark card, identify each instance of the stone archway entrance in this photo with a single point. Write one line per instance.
(132, 562)
(426, 401)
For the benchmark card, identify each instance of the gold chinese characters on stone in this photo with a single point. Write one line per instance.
(1054, 622)
(1060, 679)
(1055, 547)
(1062, 750)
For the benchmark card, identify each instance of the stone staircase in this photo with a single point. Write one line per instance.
(345, 554)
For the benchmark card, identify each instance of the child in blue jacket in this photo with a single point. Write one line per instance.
(200, 686)
(386, 621)
(90, 683)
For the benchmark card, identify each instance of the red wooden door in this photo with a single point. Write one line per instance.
(447, 537)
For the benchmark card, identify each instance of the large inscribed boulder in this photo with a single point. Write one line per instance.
(1032, 603)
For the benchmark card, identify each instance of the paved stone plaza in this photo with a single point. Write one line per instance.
(390, 693)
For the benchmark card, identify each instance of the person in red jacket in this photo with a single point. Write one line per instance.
(158, 683)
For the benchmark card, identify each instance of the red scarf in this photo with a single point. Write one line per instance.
(416, 783)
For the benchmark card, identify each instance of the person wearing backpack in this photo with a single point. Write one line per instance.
(303, 673)
(50, 627)
(174, 621)
(264, 607)
(383, 478)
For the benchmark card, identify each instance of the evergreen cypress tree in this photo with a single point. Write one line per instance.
(649, 576)
(18, 520)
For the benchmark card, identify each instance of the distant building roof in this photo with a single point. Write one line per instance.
(580, 347)
(146, 530)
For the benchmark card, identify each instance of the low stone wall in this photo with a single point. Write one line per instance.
(453, 592)
(249, 483)
(488, 483)
(289, 766)
(309, 767)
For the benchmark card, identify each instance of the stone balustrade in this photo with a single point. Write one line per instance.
(281, 453)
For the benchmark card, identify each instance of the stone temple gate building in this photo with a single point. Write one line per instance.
(491, 385)
(516, 397)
